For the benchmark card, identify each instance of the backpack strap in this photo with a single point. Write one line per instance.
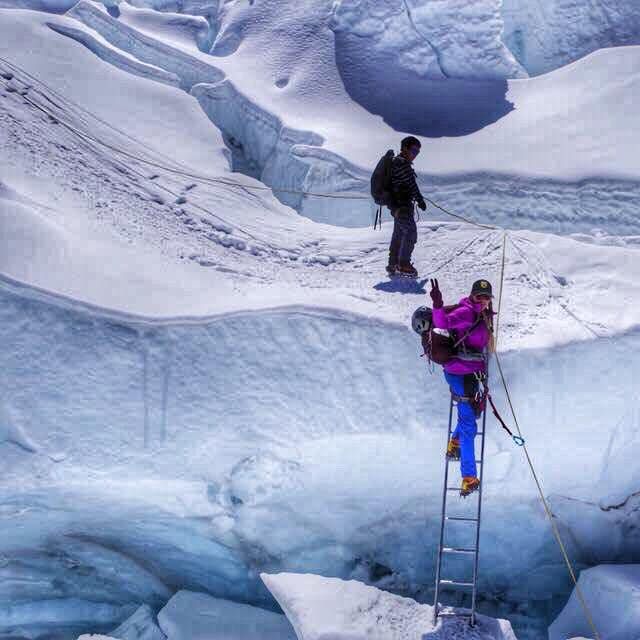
(377, 221)
(457, 343)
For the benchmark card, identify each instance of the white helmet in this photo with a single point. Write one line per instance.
(421, 320)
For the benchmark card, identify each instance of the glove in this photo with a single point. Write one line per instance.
(436, 294)
(422, 204)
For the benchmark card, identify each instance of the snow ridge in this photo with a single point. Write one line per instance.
(189, 69)
(128, 64)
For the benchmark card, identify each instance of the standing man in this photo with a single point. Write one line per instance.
(405, 194)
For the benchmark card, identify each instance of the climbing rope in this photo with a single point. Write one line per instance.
(459, 217)
(502, 269)
(554, 526)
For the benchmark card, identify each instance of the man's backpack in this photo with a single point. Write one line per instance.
(381, 185)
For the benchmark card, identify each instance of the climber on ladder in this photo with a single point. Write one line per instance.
(460, 337)
(471, 324)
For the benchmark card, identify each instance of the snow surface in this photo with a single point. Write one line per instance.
(197, 616)
(294, 121)
(332, 609)
(192, 364)
(612, 593)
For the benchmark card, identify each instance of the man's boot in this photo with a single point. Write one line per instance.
(407, 269)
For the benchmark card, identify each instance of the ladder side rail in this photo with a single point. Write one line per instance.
(478, 523)
(442, 521)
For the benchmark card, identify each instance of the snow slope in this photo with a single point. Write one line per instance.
(304, 130)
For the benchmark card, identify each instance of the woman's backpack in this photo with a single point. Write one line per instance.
(440, 346)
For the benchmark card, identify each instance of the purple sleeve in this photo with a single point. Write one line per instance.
(458, 319)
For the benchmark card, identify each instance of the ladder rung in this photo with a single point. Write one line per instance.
(453, 614)
(455, 583)
(457, 550)
(480, 433)
(461, 518)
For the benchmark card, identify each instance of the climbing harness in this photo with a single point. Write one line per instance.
(519, 440)
(485, 396)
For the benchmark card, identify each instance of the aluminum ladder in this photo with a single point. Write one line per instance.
(469, 552)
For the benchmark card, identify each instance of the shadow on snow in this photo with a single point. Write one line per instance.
(402, 285)
(407, 102)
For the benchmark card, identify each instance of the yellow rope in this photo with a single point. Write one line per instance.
(554, 526)
(504, 253)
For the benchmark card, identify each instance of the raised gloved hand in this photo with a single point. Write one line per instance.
(422, 204)
(436, 294)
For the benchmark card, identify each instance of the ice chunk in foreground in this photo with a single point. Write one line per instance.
(612, 593)
(197, 616)
(333, 609)
(140, 626)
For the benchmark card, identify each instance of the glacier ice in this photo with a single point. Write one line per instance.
(612, 594)
(126, 63)
(547, 35)
(142, 625)
(198, 616)
(188, 69)
(437, 40)
(143, 484)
